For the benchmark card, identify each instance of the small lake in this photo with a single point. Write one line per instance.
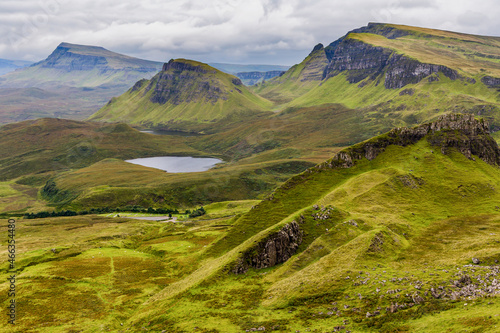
(176, 164)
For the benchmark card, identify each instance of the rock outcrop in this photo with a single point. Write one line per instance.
(490, 81)
(183, 82)
(468, 135)
(275, 249)
(359, 60)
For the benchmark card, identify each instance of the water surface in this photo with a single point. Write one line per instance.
(175, 164)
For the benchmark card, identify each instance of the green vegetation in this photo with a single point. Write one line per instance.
(387, 245)
(185, 94)
(394, 234)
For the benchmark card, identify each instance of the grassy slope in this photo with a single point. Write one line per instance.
(419, 215)
(404, 203)
(296, 81)
(136, 107)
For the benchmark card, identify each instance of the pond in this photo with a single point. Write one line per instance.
(176, 164)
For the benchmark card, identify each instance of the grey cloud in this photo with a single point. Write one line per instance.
(271, 31)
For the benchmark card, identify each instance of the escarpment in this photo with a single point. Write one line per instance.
(359, 60)
(463, 132)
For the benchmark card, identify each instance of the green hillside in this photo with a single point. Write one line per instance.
(185, 93)
(43, 145)
(397, 233)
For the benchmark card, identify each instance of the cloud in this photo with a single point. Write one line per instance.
(238, 31)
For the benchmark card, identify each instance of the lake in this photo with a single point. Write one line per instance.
(176, 164)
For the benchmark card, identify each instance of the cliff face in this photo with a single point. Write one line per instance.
(359, 60)
(63, 59)
(462, 132)
(275, 249)
(182, 82)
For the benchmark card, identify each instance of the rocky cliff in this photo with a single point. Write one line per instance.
(183, 82)
(468, 135)
(275, 249)
(359, 60)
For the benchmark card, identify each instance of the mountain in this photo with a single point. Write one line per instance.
(79, 79)
(7, 66)
(409, 74)
(185, 95)
(81, 66)
(239, 68)
(251, 74)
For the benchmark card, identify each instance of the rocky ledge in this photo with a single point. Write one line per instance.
(463, 132)
(275, 249)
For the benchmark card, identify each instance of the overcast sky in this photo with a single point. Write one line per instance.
(234, 31)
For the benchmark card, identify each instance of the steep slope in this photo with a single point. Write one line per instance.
(408, 72)
(298, 79)
(79, 79)
(185, 95)
(378, 235)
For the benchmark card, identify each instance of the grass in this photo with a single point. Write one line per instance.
(411, 217)
(201, 98)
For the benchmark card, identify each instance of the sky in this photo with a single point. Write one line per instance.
(280, 32)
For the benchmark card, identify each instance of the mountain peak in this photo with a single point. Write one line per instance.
(189, 65)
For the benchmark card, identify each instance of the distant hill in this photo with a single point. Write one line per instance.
(238, 68)
(83, 77)
(7, 66)
(185, 95)
(81, 66)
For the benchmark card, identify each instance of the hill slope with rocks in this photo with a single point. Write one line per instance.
(185, 95)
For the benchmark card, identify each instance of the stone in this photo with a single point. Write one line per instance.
(275, 249)
(476, 261)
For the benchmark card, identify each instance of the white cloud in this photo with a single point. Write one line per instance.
(257, 31)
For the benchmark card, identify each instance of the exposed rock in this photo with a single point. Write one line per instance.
(490, 81)
(183, 82)
(359, 60)
(276, 249)
(403, 70)
(462, 132)
(476, 261)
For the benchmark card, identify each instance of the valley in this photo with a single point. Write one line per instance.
(356, 191)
